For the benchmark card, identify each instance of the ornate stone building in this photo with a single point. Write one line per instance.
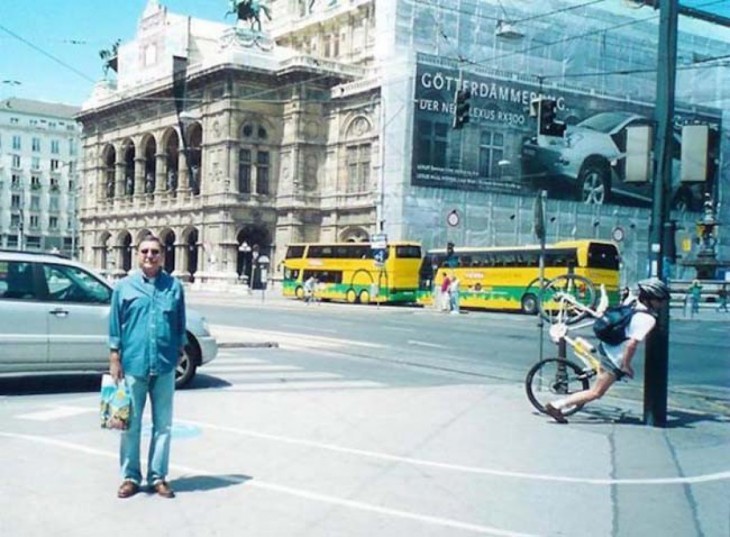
(267, 146)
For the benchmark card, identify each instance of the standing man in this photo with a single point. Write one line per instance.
(146, 340)
(616, 359)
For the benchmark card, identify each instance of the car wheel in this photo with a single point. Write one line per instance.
(299, 293)
(185, 370)
(364, 297)
(594, 184)
(351, 296)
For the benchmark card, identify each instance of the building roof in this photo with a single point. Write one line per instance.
(39, 108)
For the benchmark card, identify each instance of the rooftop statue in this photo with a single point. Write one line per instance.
(250, 10)
(109, 57)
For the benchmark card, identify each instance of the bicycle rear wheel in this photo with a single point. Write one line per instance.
(559, 296)
(554, 378)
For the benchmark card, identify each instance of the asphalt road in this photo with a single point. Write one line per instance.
(476, 345)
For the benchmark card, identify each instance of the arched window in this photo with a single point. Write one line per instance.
(254, 160)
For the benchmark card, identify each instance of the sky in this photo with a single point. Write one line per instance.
(49, 49)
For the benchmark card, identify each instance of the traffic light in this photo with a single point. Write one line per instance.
(547, 125)
(461, 110)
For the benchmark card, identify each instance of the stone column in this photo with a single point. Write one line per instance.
(119, 180)
(181, 255)
(160, 172)
(139, 176)
(183, 184)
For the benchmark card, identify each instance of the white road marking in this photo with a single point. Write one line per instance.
(303, 385)
(284, 375)
(719, 476)
(424, 344)
(234, 333)
(55, 413)
(217, 369)
(291, 491)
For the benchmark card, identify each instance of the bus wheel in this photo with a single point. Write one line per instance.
(299, 293)
(364, 297)
(529, 304)
(351, 296)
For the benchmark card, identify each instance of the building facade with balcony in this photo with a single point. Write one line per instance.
(335, 123)
(39, 155)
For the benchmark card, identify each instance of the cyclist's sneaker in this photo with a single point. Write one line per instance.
(555, 413)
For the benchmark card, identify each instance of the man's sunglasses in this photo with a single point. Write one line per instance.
(147, 251)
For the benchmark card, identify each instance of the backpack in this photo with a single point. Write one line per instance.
(611, 326)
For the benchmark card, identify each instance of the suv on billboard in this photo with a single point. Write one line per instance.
(588, 164)
(54, 318)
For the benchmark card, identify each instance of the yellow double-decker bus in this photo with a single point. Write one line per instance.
(348, 272)
(508, 278)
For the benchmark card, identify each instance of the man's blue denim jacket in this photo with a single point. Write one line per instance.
(147, 323)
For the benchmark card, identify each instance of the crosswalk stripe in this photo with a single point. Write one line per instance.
(234, 333)
(283, 376)
(304, 385)
(253, 368)
(56, 413)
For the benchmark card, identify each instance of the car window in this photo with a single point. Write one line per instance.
(16, 281)
(72, 284)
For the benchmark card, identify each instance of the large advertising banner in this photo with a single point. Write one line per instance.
(499, 149)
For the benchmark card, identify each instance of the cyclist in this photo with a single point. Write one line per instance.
(616, 359)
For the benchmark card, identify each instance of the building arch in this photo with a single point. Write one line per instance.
(105, 250)
(358, 127)
(125, 245)
(171, 149)
(253, 240)
(148, 145)
(168, 238)
(194, 139)
(191, 239)
(354, 234)
(129, 153)
(108, 166)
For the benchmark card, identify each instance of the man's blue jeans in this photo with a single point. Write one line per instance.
(161, 389)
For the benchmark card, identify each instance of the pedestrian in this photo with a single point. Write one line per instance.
(146, 341)
(309, 285)
(444, 297)
(695, 296)
(722, 295)
(616, 359)
(454, 295)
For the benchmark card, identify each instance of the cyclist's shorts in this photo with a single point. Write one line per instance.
(608, 365)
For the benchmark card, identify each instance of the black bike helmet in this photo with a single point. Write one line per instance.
(653, 288)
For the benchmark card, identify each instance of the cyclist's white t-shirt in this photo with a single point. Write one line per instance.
(641, 324)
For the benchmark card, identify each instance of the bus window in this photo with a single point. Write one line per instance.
(291, 274)
(293, 252)
(603, 256)
(408, 252)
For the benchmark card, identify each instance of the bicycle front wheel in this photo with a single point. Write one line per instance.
(555, 378)
(565, 299)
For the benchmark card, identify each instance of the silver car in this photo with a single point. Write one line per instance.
(54, 315)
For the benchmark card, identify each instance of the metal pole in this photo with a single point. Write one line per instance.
(656, 363)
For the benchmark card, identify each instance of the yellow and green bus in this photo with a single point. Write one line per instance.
(348, 272)
(508, 278)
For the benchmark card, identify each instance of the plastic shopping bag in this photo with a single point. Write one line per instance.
(116, 404)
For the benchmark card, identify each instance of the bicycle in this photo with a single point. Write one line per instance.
(564, 302)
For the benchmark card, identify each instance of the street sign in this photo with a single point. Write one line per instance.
(380, 255)
(379, 241)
